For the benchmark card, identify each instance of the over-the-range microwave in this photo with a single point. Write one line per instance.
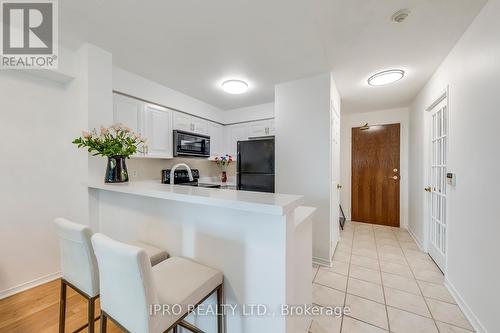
(191, 144)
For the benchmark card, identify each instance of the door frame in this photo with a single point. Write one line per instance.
(404, 145)
(443, 96)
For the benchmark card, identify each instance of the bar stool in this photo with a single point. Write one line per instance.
(130, 288)
(79, 267)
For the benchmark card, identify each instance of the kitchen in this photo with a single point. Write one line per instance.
(166, 129)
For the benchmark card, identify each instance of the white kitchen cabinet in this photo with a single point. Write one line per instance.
(185, 122)
(158, 131)
(128, 112)
(217, 143)
(235, 133)
(261, 128)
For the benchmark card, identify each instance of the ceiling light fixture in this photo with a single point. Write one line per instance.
(235, 87)
(386, 77)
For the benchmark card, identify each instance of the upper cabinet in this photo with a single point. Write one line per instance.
(156, 124)
(216, 133)
(153, 123)
(261, 128)
(187, 123)
(129, 112)
(158, 131)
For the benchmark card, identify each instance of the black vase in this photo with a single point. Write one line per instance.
(116, 171)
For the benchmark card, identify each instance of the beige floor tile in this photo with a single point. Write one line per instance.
(409, 246)
(405, 322)
(351, 325)
(436, 291)
(415, 255)
(338, 267)
(365, 262)
(389, 249)
(429, 276)
(394, 268)
(365, 289)
(368, 311)
(390, 242)
(365, 274)
(365, 252)
(447, 328)
(400, 282)
(325, 296)
(391, 257)
(332, 280)
(326, 324)
(406, 301)
(342, 256)
(344, 248)
(448, 313)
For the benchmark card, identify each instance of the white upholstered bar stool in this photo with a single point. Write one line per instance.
(130, 288)
(79, 267)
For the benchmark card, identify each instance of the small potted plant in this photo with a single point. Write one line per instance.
(117, 143)
(223, 162)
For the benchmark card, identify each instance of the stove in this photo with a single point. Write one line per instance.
(181, 177)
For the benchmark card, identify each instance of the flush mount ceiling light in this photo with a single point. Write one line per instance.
(235, 87)
(386, 77)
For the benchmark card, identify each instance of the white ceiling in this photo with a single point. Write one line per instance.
(192, 46)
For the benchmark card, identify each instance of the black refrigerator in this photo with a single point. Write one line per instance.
(255, 165)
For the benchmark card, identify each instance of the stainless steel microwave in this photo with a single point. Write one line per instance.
(191, 144)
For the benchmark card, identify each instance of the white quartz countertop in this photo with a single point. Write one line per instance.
(268, 203)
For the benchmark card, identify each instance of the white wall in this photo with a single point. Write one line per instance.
(302, 113)
(42, 173)
(472, 72)
(351, 120)
(256, 112)
(138, 86)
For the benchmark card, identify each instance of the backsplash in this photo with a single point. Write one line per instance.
(140, 169)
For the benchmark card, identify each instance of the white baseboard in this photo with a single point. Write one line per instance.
(417, 241)
(322, 262)
(28, 285)
(474, 321)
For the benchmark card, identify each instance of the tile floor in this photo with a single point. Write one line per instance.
(388, 283)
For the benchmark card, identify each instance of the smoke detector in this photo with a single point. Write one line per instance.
(400, 15)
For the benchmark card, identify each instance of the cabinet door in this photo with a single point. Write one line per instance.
(128, 111)
(200, 126)
(271, 125)
(236, 133)
(257, 129)
(158, 128)
(216, 133)
(183, 122)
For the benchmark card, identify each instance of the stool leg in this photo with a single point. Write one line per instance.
(91, 315)
(104, 321)
(62, 307)
(220, 310)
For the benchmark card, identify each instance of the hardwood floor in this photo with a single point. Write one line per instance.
(37, 311)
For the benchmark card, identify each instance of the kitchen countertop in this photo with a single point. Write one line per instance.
(268, 203)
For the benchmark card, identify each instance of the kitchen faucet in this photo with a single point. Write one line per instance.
(172, 172)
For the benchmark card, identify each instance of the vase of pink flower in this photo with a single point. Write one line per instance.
(117, 143)
(223, 162)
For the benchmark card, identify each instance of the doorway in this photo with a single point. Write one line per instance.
(375, 174)
(436, 190)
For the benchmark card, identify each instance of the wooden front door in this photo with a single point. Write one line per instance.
(376, 174)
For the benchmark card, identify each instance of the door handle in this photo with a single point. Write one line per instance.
(339, 186)
(394, 177)
(428, 189)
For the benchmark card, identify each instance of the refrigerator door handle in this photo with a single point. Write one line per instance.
(238, 171)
